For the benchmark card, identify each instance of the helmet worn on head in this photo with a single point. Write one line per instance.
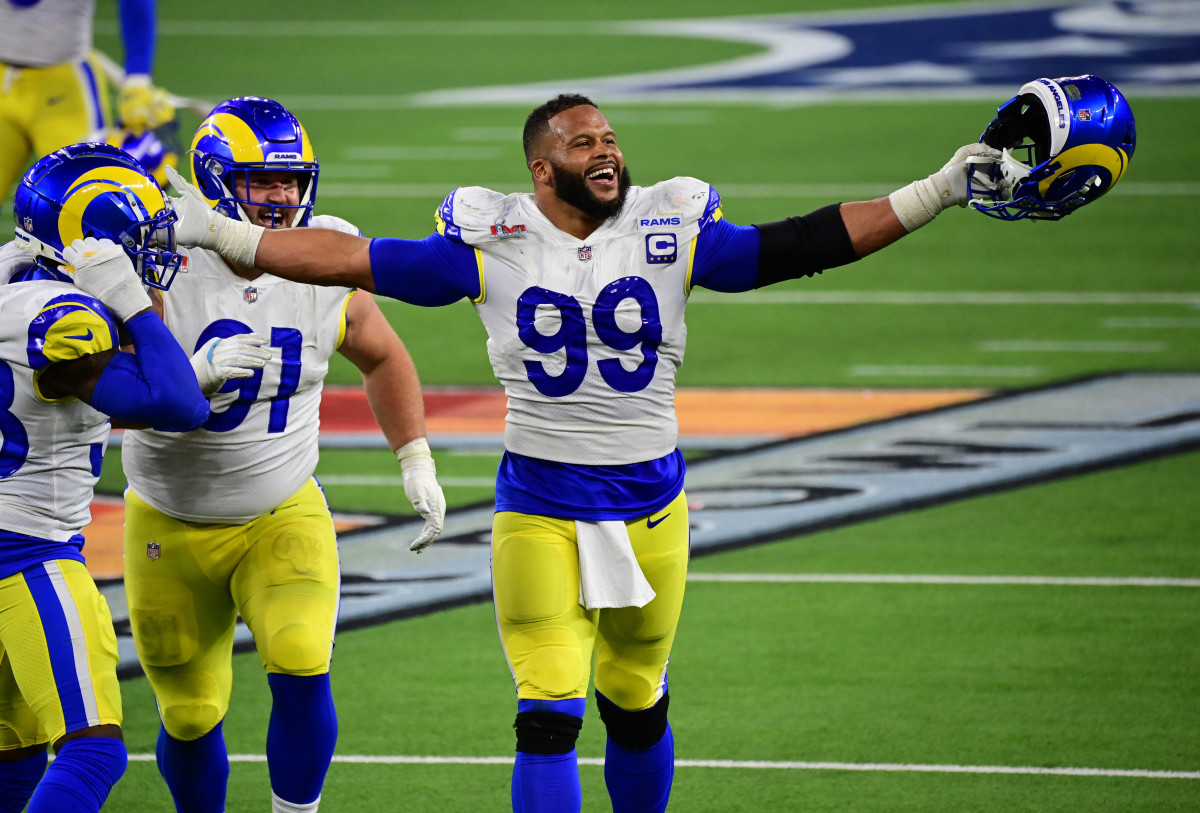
(1065, 142)
(249, 134)
(97, 190)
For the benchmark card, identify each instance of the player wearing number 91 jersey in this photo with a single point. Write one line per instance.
(228, 519)
(582, 286)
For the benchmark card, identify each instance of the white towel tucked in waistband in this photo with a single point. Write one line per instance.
(609, 575)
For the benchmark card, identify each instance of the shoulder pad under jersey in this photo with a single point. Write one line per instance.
(335, 223)
(469, 213)
(694, 199)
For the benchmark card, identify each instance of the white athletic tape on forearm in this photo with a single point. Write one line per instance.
(921, 201)
(238, 241)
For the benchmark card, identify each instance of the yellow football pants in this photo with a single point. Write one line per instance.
(549, 639)
(187, 583)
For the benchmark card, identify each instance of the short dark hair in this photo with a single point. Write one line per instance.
(538, 122)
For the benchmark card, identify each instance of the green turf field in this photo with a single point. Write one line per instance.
(772, 676)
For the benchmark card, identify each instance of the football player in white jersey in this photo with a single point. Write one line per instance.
(582, 286)
(53, 89)
(61, 376)
(228, 519)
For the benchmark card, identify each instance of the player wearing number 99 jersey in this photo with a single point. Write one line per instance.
(228, 519)
(582, 287)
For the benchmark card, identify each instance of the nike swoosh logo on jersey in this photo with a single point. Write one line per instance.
(53, 100)
(650, 523)
(86, 337)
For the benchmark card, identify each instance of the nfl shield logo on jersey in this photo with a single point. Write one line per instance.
(153, 550)
(585, 253)
(250, 294)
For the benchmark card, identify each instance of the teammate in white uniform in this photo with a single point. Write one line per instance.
(61, 375)
(228, 519)
(53, 90)
(582, 287)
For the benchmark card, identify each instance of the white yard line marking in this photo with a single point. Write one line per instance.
(1151, 322)
(899, 578)
(730, 191)
(1023, 346)
(944, 370)
(990, 298)
(753, 765)
(397, 480)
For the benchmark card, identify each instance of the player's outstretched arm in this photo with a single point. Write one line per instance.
(311, 255)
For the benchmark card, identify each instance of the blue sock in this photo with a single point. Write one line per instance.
(17, 781)
(548, 783)
(640, 781)
(81, 776)
(301, 736)
(196, 771)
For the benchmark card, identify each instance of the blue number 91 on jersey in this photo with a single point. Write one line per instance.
(1065, 142)
(661, 249)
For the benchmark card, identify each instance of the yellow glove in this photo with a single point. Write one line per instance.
(141, 106)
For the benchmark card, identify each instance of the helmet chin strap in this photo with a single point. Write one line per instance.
(27, 242)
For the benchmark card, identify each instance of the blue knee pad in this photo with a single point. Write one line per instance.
(81, 776)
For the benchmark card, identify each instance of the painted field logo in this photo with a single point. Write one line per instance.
(660, 249)
(791, 487)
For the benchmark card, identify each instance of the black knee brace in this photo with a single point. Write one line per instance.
(546, 732)
(634, 730)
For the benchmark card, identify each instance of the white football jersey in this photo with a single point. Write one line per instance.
(48, 32)
(253, 453)
(50, 450)
(585, 335)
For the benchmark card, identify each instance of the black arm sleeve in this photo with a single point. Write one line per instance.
(803, 246)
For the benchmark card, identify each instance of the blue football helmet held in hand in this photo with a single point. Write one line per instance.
(246, 135)
(1065, 142)
(96, 190)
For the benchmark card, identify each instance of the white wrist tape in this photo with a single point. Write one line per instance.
(236, 240)
(921, 201)
(414, 448)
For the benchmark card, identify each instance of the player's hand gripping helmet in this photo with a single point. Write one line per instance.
(97, 190)
(250, 134)
(1065, 142)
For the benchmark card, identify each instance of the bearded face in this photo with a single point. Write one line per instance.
(572, 187)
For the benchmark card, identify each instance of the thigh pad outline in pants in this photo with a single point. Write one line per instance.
(547, 636)
(181, 612)
(634, 643)
(286, 586)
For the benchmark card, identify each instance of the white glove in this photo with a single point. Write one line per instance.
(921, 201)
(422, 489)
(223, 358)
(202, 226)
(103, 269)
